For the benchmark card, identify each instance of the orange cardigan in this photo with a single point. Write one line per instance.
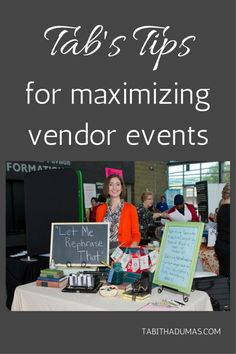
(128, 230)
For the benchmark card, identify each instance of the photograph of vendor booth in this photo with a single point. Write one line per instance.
(106, 239)
(122, 216)
(182, 211)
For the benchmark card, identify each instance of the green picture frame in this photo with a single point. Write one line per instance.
(178, 255)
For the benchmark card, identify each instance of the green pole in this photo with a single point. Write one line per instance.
(80, 196)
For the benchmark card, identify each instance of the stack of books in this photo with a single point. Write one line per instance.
(52, 278)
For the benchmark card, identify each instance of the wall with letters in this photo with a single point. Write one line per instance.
(92, 172)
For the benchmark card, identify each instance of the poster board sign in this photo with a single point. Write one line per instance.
(214, 195)
(178, 255)
(202, 199)
(89, 193)
(79, 244)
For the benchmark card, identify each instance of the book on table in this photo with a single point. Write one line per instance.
(52, 272)
(52, 284)
(52, 279)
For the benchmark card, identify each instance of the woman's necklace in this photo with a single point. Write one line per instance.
(114, 206)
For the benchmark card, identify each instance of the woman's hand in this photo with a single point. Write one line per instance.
(160, 215)
(156, 215)
(212, 217)
(164, 215)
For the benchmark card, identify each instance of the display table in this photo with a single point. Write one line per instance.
(30, 297)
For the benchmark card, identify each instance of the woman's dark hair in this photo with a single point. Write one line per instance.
(107, 182)
(101, 199)
(95, 199)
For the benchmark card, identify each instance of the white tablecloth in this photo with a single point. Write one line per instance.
(30, 297)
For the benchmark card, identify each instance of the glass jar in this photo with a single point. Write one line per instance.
(118, 274)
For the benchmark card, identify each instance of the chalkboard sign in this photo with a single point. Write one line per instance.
(178, 255)
(79, 244)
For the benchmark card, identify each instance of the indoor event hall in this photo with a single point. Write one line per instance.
(118, 235)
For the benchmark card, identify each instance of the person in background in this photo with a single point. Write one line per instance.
(222, 248)
(162, 205)
(92, 215)
(182, 211)
(122, 216)
(146, 217)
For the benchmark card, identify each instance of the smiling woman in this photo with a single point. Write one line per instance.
(122, 216)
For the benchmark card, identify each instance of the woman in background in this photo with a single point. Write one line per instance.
(92, 215)
(122, 216)
(222, 247)
(146, 217)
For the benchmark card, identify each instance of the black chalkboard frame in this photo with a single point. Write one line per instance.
(69, 263)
